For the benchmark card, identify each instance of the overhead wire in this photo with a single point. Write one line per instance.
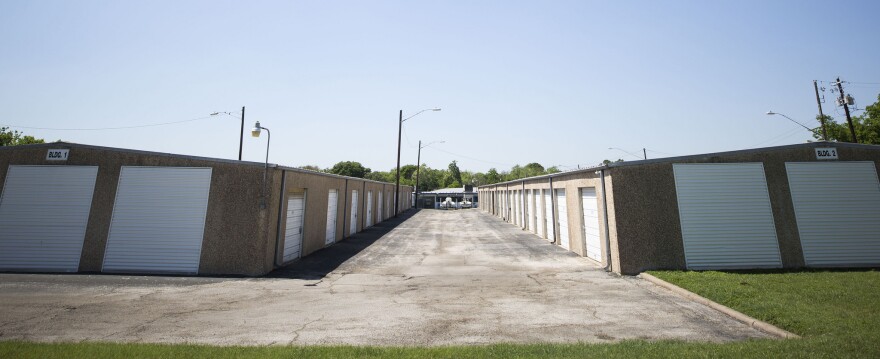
(110, 128)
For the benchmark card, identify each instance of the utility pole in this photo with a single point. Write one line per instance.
(645, 153)
(852, 130)
(241, 134)
(821, 115)
(418, 167)
(397, 186)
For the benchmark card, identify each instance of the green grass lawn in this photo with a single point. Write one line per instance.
(836, 312)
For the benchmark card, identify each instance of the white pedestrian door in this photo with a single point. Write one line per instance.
(531, 200)
(562, 218)
(590, 227)
(158, 221)
(837, 207)
(522, 210)
(44, 211)
(293, 227)
(370, 209)
(354, 213)
(539, 214)
(332, 205)
(726, 218)
(381, 216)
(548, 211)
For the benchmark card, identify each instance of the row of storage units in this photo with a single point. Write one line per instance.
(96, 209)
(782, 207)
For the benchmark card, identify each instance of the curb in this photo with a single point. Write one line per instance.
(754, 323)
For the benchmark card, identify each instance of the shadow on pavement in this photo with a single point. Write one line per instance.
(318, 264)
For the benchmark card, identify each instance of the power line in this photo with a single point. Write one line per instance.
(109, 128)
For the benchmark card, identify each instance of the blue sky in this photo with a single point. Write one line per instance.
(554, 82)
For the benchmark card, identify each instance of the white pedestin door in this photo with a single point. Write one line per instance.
(44, 211)
(548, 211)
(369, 209)
(591, 223)
(354, 213)
(562, 219)
(293, 226)
(332, 205)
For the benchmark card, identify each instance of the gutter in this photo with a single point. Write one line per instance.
(608, 267)
(278, 225)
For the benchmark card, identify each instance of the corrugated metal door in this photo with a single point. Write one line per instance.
(726, 219)
(548, 211)
(590, 227)
(837, 206)
(381, 214)
(293, 226)
(531, 200)
(158, 220)
(44, 211)
(332, 210)
(539, 214)
(354, 212)
(369, 209)
(562, 218)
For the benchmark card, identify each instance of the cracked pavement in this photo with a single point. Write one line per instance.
(430, 278)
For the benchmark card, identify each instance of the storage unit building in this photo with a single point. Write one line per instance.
(813, 205)
(76, 208)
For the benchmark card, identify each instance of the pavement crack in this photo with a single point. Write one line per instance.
(296, 331)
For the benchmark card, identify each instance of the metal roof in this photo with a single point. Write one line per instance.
(692, 157)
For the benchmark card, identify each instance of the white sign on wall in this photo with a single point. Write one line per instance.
(57, 155)
(826, 153)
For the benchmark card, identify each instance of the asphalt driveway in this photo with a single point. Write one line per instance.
(429, 278)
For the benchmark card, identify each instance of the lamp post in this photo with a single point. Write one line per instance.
(419, 166)
(399, 132)
(644, 152)
(256, 133)
(771, 113)
(240, 134)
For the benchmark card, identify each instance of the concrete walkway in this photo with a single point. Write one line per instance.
(430, 278)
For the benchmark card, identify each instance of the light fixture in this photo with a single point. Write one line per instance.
(256, 130)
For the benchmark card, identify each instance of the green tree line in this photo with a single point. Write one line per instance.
(436, 178)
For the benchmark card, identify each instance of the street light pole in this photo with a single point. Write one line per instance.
(419, 167)
(770, 113)
(256, 133)
(241, 134)
(397, 185)
(399, 132)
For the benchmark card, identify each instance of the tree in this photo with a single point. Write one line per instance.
(15, 138)
(311, 168)
(608, 162)
(866, 125)
(350, 168)
(455, 173)
(492, 176)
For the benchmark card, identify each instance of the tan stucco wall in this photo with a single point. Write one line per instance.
(644, 228)
(240, 237)
(236, 229)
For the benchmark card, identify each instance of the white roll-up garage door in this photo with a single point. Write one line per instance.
(837, 206)
(158, 220)
(548, 211)
(354, 213)
(44, 211)
(369, 209)
(332, 205)
(590, 227)
(381, 214)
(539, 214)
(726, 219)
(562, 218)
(531, 199)
(293, 226)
